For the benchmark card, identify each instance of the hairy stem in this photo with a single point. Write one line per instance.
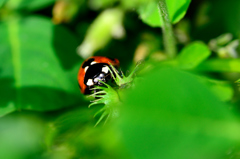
(168, 36)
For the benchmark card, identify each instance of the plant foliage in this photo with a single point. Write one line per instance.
(185, 106)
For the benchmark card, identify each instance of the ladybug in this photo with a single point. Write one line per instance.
(94, 69)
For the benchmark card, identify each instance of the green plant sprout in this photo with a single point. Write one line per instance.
(110, 96)
(121, 81)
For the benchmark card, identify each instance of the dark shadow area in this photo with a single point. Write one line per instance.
(125, 48)
(7, 92)
(45, 99)
(222, 17)
(38, 98)
(65, 45)
(124, 52)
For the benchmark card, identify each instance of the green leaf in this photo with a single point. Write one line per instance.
(170, 114)
(192, 55)
(37, 60)
(21, 137)
(222, 89)
(8, 109)
(2, 3)
(28, 4)
(220, 65)
(149, 12)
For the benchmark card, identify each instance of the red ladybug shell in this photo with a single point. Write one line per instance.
(90, 67)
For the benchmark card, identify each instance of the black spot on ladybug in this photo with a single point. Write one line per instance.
(88, 62)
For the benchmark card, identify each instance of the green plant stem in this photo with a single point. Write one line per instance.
(168, 36)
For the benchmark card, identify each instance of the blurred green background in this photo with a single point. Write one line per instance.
(185, 107)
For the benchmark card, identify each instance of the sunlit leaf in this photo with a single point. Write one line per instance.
(170, 114)
(36, 62)
(222, 89)
(192, 55)
(149, 12)
(220, 65)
